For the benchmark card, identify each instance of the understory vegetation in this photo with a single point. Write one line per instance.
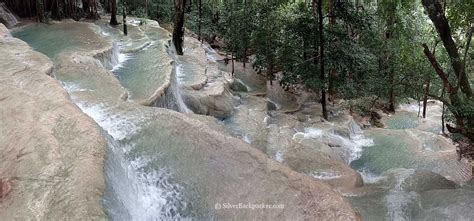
(375, 52)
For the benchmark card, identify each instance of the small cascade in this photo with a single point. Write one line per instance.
(112, 59)
(350, 147)
(7, 17)
(210, 52)
(400, 203)
(172, 99)
(133, 192)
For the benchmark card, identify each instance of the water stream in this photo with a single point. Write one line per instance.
(410, 172)
(128, 175)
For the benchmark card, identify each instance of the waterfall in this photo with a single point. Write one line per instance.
(132, 191)
(112, 59)
(400, 203)
(349, 148)
(210, 52)
(7, 17)
(133, 194)
(172, 99)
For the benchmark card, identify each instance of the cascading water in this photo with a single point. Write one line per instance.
(7, 17)
(135, 191)
(113, 60)
(132, 193)
(350, 147)
(172, 98)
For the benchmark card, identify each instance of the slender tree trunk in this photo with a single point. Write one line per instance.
(178, 30)
(200, 19)
(232, 60)
(55, 10)
(124, 11)
(146, 8)
(436, 14)
(245, 57)
(391, 93)
(332, 71)
(317, 9)
(40, 10)
(435, 11)
(113, 9)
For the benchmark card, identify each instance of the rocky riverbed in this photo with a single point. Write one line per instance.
(160, 163)
(98, 125)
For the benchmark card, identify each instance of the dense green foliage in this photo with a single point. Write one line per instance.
(373, 49)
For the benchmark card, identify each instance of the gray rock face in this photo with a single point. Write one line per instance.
(423, 180)
(218, 169)
(207, 89)
(310, 156)
(51, 154)
(457, 204)
(418, 180)
(213, 167)
(6, 16)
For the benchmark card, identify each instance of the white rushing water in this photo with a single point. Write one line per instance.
(350, 146)
(7, 16)
(175, 90)
(398, 201)
(133, 193)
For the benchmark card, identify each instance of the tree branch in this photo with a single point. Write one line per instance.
(438, 69)
(436, 13)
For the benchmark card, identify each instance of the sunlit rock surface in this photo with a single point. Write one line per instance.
(309, 152)
(163, 164)
(206, 88)
(51, 154)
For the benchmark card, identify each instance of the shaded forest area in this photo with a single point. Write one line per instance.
(55, 9)
(371, 54)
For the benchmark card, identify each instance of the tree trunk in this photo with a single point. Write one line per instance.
(318, 6)
(388, 68)
(436, 14)
(178, 30)
(146, 8)
(124, 11)
(113, 9)
(200, 19)
(332, 71)
(232, 60)
(40, 10)
(55, 10)
(454, 100)
(391, 93)
(245, 57)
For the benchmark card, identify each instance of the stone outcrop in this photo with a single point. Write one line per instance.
(313, 158)
(212, 167)
(51, 154)
(206, 88)
(216, 169)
